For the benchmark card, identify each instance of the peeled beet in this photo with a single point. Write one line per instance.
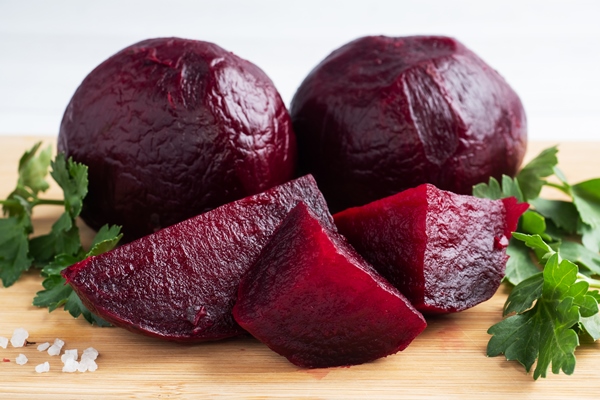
(445, 252)
(381, 114)
(171, 128)
(311, 298)
(180, 283)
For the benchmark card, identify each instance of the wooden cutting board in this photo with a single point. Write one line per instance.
(447, 360)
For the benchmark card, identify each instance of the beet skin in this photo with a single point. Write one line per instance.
(381, 114)
(171, 128)
(311, 298)
(181, 282)
(445, 252)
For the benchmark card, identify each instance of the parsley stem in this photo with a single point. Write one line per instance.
(562, 188)
(34, 203)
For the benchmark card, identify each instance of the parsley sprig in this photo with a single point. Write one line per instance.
(553, 301)
(61, 247)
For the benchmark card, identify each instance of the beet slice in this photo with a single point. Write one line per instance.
(180, 283)
(445, 252)
(311, 298)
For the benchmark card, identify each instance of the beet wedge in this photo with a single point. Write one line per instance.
(445, 252)
(311, 298)
(181, 282)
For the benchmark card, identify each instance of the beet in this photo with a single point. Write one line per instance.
(171, 128)
(180, 283)
(381, 114)
(445, 252)
(311, 298)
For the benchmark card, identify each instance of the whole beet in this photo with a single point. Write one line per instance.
(171, 128)
(381, 114)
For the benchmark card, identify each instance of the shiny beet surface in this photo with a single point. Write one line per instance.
(311, 298)
(445, 252)
(170, 128)
(180, 283)
(381, 114)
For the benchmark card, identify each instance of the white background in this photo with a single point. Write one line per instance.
(549, 51)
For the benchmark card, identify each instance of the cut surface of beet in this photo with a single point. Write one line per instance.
(445, 252)
(181, 282)
(311, 298)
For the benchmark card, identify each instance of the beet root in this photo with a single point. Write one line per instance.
(382, 114)
(170, 128)
(181, 282)
(445, 252)
(311, 298)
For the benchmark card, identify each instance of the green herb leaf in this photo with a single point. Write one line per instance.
(535, 242)
(494, 191)
(519, 266)
(546, 331)
(14, 249)
(76, 308)
(530, 177)
(72, 178)
(33, 169)
(563, 213)
(591, 325)
(587, 260)
(55, 293)
(586, 197)
(533, 223)
(105, 240)
(58, 293)
(523, 295)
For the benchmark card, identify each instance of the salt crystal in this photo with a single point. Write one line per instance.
(70, 365)
(3, 342)
(45, 367)
(55, 349)
(19, 337)
(90, 353)
(43, 346)
(21, 359)
(69, 354)
(87, 364)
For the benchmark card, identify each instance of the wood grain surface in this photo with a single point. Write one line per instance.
(446, 361)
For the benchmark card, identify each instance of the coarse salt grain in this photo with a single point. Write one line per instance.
(3, 342)
(55, 349)
(87, 364)
(19, 337)
(21, 359)
(45, 367)
(69, 354)
(70, 365)
(43, 346)
(90, 353)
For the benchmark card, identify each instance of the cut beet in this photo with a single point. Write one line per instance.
(311, 298)
(180, 283)
(445, 252)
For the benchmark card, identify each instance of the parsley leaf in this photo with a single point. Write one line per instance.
(530, 177)
(14, 249)
(551, 303)
(56, 290)
(61, 247)
(545, 331)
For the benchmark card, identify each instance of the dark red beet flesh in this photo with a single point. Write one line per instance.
(380, 115)
(171, 128)
(311, 298)
(180, 283)
(445, 252)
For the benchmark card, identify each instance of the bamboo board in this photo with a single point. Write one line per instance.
(446, 361)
